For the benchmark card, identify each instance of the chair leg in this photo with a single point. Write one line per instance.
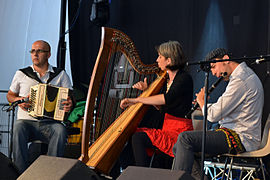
(230, 168)
(241, 174)
(262, 168)
(173, 163)
(152, 159)
(225, 166)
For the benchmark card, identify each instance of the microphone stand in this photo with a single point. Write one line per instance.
(205, 66)
(12, 109)
(61, 51)
(255, 59)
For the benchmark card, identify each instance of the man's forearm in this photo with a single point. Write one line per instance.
(11, 97)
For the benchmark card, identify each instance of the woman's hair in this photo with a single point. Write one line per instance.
(173, 50)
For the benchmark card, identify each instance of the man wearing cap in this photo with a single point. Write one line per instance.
(238, 112)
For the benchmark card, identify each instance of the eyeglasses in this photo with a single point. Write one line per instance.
(33, 51)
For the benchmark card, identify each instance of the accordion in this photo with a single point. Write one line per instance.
(46, 101)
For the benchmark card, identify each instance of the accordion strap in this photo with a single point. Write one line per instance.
(28, 71)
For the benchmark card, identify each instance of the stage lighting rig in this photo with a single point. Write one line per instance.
(100, 12)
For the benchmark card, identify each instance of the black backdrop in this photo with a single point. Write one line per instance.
(242, 26)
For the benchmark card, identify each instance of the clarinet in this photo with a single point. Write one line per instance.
(214, 85)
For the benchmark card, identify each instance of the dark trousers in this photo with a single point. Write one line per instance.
(189, 142)
(52, 132)
(141, 142)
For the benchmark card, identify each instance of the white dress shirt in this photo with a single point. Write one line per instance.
(21, 85)
(240, 106)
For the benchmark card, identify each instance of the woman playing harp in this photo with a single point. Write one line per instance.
(175, 101)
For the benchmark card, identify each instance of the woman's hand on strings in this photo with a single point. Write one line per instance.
(141, 85)
(127, 102)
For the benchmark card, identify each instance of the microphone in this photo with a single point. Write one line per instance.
(259, 61)
(15, 103)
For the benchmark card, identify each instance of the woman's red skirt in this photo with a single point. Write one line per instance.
(165, 138)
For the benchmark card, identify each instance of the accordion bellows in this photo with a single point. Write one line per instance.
(46, 101)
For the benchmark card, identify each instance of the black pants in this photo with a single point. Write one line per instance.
(189, 142)
(140, 142)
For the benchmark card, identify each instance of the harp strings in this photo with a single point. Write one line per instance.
(117, 126)
(117, 84)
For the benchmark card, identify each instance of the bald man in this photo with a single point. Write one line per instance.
(27, 128)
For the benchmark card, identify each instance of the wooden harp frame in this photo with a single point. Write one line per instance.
(102, 154)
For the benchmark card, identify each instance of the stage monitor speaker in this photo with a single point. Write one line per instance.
(142, 173)
(48, 167)
(7, 169)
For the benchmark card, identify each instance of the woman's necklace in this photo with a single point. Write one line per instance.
(168, 85)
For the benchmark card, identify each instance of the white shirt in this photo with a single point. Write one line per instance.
(21, 85)
(240, 106)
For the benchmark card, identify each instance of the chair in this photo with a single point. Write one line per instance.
(37, 147)
(197, 120)
(249, 167)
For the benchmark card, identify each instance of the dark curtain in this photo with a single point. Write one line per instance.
(241, 26)
(200, 26)
(84, 43)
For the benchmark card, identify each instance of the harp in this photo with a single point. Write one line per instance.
(117, 67)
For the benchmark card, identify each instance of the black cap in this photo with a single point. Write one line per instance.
(216, 53)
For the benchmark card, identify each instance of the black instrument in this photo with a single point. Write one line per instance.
(188, 115)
